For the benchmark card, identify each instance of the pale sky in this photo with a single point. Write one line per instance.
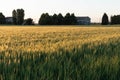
(34, 8)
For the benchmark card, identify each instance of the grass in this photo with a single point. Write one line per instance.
(59, 53)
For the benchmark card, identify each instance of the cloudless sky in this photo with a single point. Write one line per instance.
(34, 8)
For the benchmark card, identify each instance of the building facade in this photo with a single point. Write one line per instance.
(83, 20)
(9, 20)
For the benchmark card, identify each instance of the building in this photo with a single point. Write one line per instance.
(83, 20)
(9, 20)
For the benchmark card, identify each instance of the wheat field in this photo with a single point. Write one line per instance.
(59, 53)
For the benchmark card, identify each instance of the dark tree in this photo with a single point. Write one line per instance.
(28, 21)
(55, 19)
(42, 19)
(67, 19)
(60, 19)
(48, 19)
(105, 20)
(20, 16)
(14, 16)
(73, 19)
(115, 19)
(45, 19)
(2, 19)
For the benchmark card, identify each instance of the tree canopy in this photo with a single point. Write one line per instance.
(28, 21)
(14, 16)
(20, 16)
(115, 19)
(55, 19)
(2, 19)
(105, 20)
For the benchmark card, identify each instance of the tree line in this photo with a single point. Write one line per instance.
(68, 19)
(113, 19)
(45, 19)
(17, 18)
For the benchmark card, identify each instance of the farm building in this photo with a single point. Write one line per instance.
(9, 20)
(83, 20)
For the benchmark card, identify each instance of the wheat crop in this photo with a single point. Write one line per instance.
(59, 53)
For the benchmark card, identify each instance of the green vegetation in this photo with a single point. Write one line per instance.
(68, 19)
(59, 53)
(105, 20)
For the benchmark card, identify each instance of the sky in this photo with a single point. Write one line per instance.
(34, 8)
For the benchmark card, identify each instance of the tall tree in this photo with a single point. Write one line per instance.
(60, 19)
(42, 19)
(20, 16)
(105, 20)
(45, 19)
(48, 19)
(73, 19)
(2, 19)
(14, 16)
(55, 19)
(67, 19)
